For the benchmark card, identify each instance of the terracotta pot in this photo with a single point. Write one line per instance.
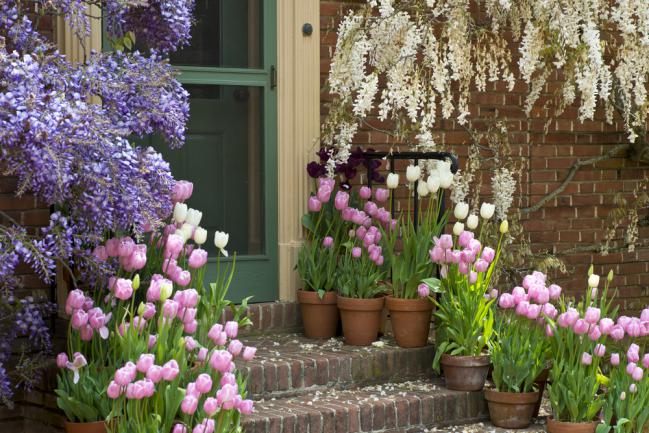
(361, 319)
(319, 316)
(410, 320)
(571, 427)
(511, 409)
(465, 373)
(85, 427)
(541, 382)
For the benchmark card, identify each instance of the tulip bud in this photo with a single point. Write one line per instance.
(593, 281)
(136, 282)
(392, 180)
(591, 270)
(487, 210)
(200, 235)
(422, 189)
(472, 222)
(609, 277)
(458, 228)
(504, 227)
(461, 210)
(413, 173)
(433, 182)
(166, 288)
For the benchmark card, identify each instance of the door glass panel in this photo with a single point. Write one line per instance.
(223, 156)
(227, 34)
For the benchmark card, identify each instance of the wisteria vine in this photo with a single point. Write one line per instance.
(65, 131)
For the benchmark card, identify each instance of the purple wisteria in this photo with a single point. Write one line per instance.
(66, 131)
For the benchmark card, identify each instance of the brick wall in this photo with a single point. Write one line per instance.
(573, 220)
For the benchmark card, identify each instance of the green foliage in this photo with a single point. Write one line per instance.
(79, 401)
(358, 277)
(519, 353)
(316, 266)
(631, 410)
(412, 264)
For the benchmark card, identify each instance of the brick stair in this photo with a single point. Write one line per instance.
(307, 386)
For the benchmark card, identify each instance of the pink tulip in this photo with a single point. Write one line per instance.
(86, 332)
(365, 192)
(154, 373)
(189, 405)
(210, 406)
(519, 295)
(446, 242)
(145, 362)
(245, 407)
(592, 315)
(463, 268)
(232, 329)
(190, 344)
(170, 370)
(423, 290)
(327, 242)
(202, 354)
(153, 292)
(522, 307)
(62, 360)
(356, 252)
(464, 238)
(381, 195)
(235, 347)
(615, 359)
(572, 316)
(467, 256)
(633, 388)
(342, 200)
(324, 193)
(215, 332)
(533, 311)
(550, 311)
(137, 260)
(600, 350)
(633, 354)
(148, 311)
(112, 247)
(606, 325)
(586, 358)
(228, 378)
(481, 265)
(100, 253)
(197, 258)
(644, 316)
(75, 300)
(555, 292)
(348, 214)
(124, 376)
(152, 341)
(203, 383)
(437, 254)
(79, 319)
(542, 295)
(580, 327)
(179, 428)
(506, 301)
(637, 374)
(114, 390)
(475, 246)
(190, 327)
(221, 360)
(249, 353)
(170, 309)
(184, 278)
(549, 331)
(123, 289)
(633, 328)
(529, 280)
(617, 333)
(226, 396)
(630, 368)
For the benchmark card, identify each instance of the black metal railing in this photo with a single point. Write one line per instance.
(416, 156)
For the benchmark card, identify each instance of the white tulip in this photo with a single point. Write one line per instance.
(194, 217)
(504, 227)
(166, 288)
(458, 228)
(422, 189)
(446, 179)
(221, 241)
(392, 180)
(472, 222)
(413, 173)
(593, 281)
(186, 231)
(180, 212)
(487, 210)
(443, 167)
(461, 210)
(433, 182)
(200, 235)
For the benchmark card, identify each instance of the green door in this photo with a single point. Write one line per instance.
(230, 153)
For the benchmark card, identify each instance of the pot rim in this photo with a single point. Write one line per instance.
(466, 361)
(553, 421)
(408, 305)
(311, 297)
(360, 304)
(512, 398)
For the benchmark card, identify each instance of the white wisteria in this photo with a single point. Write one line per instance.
(416, 61)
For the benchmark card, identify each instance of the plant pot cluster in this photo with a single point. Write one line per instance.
(361, 318)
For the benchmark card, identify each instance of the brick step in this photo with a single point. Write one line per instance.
(289, 364)
(413, 406)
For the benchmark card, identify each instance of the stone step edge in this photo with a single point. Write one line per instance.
(297, 373)
(413, 410)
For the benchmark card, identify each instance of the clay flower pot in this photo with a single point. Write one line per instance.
(571, 427)
(85, 427)
(465, 373)
(540, 382)
(511, 409)
(410, 320)
(361, 319)
(319, 316)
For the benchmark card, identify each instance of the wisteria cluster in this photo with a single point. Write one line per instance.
(65, 130)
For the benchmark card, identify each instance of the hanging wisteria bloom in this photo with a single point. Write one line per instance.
(65, 136)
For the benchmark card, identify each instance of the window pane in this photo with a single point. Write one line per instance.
(224, 156)
(227, 34)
